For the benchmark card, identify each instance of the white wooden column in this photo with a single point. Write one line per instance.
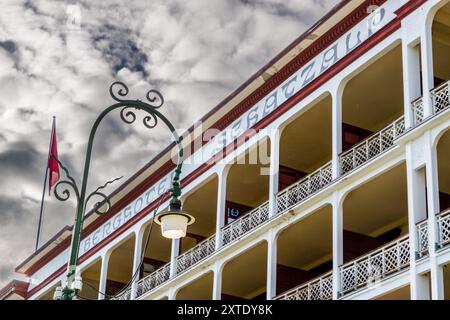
(417, 206)
(217, 281)
(221, 199)
(436, 272)
(174, 251)
(427, 66)
(137, 257)
(274, 171)
(336, 126)
(338, 245)
(411, 78)
(271, 291)
(103, 275)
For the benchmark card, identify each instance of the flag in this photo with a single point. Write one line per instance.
(53, 166)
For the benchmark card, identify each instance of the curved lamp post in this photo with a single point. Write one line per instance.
(173, 222)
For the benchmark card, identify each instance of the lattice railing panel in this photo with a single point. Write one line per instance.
(243, 225)
(443, 224)
(126, 295)
(371, 268)
(302, 189)
(153, 280)
(371, 147)
(418, 111)
(422, 238)
(198, 253)
(441, 97)
(318, 289)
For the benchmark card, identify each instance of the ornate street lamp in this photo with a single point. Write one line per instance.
(173, 222)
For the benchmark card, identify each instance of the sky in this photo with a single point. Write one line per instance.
(58, 58)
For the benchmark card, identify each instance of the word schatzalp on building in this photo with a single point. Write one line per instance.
(354, 199)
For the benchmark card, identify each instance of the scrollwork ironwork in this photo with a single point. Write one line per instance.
(122, 91)
(64, 194)
(105, 199)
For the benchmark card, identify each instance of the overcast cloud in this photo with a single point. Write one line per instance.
(195, 52)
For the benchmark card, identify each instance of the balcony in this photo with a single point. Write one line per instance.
(371, 147)
(440, 101)
(375, 266)
(422, 239)
(320, 288)
(443, 226)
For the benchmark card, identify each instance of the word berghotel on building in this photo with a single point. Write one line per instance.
(349, 198)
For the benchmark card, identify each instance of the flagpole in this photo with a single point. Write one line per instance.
(43, 189)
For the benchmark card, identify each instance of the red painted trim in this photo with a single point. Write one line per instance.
(56, 236)
(52, 277)
(14, 286)
(368, 44)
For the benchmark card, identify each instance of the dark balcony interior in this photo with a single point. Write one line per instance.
(373, 98)
(443, 161)
(91, 280)
(375, 213)
(202, 204)
(304, 250)
(199, 289)
(244, 277)
(120, 266)
(248, 182)
(305, 143)
(157, 252)
(441, 45)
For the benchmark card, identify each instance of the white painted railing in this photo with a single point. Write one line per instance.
(201, 251)
(440, 100)
(375, 266)
(422, 238)
(443, 224)
(126, 295)
(371, 147)
(300, 190)
(243, 225)
(441, 97)
(417, 111)
(320, 288)
(153, 280)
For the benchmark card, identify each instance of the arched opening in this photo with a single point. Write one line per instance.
(304, 253)
(199, 289)
(244, 277)
(305, 143)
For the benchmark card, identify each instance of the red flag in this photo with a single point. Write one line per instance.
(53, 166)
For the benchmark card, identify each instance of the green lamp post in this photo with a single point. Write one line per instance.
(173, 222)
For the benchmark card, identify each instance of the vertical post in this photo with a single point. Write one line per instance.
(411, 79)
(41, 211)
(221, 199)
(271, 291)
(175, 250)
(274, 171)
(217, 281)
(337, 242)
(436, 272)
(427, 66)
(417, 211)
(137, 258)
(103, 275)
(336, 126)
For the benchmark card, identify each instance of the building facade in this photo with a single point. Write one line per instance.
(328, 177)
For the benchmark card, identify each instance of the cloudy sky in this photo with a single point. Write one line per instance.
(58, 58)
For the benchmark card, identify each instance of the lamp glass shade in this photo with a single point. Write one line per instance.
(173, 226)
